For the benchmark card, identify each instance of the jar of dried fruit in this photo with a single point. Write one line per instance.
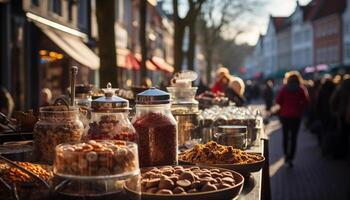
(156, 128)
(56, 125)
(109, 118)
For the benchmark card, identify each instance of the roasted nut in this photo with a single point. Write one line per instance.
(183, 183)
(216, 175)
(178, 190)
(196, 185)
(228, 180)
(152, 182)
(174, 178)
(204, 175)
(152, 190)
(208, 187)
(226, 173)
(164, 191)
(167, 172)
(166, 184)
(187, 176)
(193, 190)
(179, 171)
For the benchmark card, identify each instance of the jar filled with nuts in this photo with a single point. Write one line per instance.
(156, 128)
(96, 170)
(56, 125)
(109, 118)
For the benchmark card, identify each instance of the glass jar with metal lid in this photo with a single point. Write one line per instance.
(156, 128)
(231, 135)
(109, 118)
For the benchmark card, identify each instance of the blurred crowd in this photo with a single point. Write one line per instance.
(328, 115)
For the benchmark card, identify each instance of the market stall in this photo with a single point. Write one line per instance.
(169, 149)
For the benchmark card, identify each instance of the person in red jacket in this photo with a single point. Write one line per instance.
(292, 99)
(222, 80)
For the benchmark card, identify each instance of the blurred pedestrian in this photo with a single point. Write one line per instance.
(292, 99)
(327, 120)
(340, 105)
(7, 104)
(222, 79)
(46, 96)
(268, 95)
(235, 91)
(202, 87)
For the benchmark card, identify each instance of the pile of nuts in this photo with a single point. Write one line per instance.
(108, 157)
(185, 179)
(213, 153)
(109, 127)
(17, 176)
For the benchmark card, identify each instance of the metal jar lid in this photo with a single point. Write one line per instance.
(153, 96)
(232, 129)
(83, 89)
(110, 102)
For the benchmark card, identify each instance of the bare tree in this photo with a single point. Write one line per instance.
(106, 44)
(218, 15)
(142, 37)
(180, 25)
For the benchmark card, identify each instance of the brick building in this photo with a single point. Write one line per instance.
(327, 25)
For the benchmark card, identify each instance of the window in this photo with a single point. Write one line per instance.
(82, 15)
(347, 50)
(35, 2)
(70, 10)
(56, 6)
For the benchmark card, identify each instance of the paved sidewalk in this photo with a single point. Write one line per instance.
(313, 177)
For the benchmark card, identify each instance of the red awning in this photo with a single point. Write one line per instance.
(149, 65)
(132, 62)
(162, 64)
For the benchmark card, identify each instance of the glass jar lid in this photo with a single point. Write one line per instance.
(110, 102)
(153, 96)
(231, 129)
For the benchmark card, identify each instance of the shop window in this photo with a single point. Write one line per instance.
(82, 15)
(70, 10)
(56, 6)
(35, 2)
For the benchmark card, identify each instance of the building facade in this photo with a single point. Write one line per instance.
(327, 25)
(302, 36)
(284, 47)
(346, 35)
(270, 48)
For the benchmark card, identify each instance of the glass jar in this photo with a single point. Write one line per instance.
(184, 107)
(235, 136)
(104, 169)
(83, 99)
(56, 125)
(156, 129)
(109, 118)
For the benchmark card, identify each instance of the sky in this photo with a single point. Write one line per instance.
(273, 7)
(258, 23)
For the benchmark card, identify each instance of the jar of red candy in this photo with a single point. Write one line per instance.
(109, 118)
(156, 129)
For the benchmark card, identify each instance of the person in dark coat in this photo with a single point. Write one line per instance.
(340, 106)
(292, 99)
(268, 95)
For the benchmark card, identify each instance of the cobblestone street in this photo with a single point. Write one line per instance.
(313, 176)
